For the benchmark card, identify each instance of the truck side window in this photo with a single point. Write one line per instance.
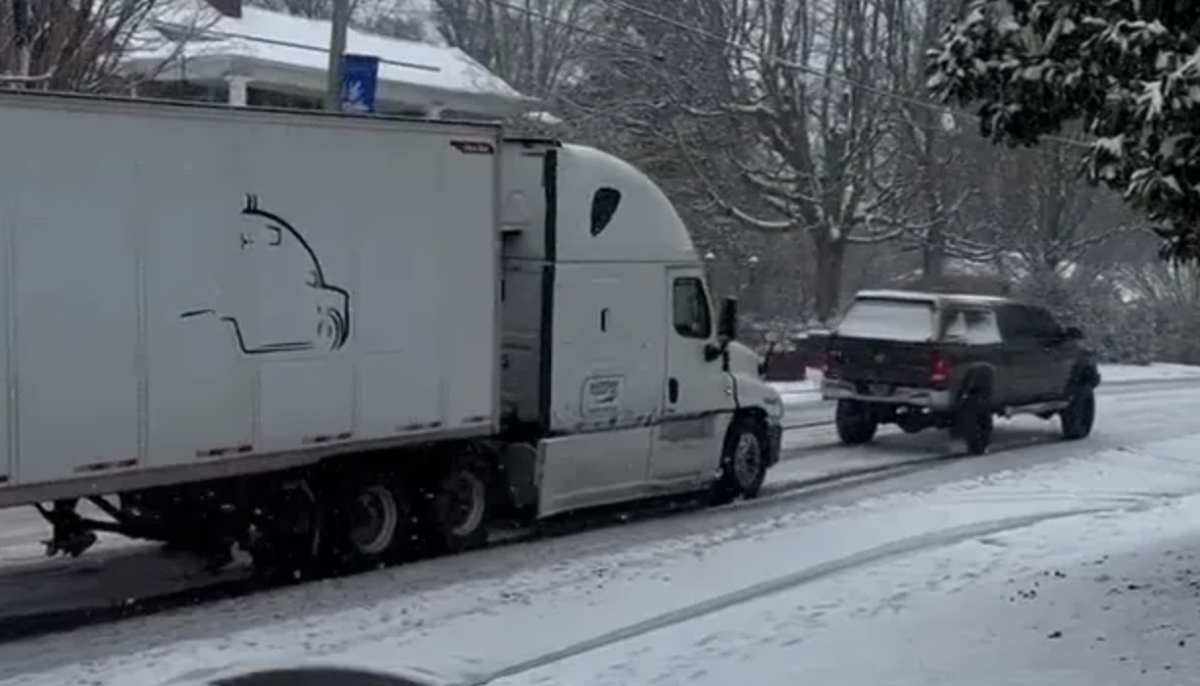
(604, 205)
(689, 306)
(974, 326)
(1015, 323)
(1043, 323)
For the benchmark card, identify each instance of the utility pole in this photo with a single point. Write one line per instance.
(337, 48)
(22, 36)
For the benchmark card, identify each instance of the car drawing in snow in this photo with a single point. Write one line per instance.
(293, 308)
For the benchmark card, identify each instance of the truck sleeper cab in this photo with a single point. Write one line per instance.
(644, 392)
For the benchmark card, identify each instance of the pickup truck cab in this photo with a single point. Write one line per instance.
(932, 360)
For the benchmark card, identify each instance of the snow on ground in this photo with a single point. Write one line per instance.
(934, 586)
(1133, 373)
(1086, 600)
(809, 390)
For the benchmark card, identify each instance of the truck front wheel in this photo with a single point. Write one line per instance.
(743, 462)
(856, 423)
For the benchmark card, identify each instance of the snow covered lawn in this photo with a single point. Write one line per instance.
(809, 390)
(935, 587)
(1133, 373)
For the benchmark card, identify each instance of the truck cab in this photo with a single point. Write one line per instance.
(625, 378)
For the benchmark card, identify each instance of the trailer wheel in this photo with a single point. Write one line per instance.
(455, 515)
(289, 532)
(370, 522)
(743, 462)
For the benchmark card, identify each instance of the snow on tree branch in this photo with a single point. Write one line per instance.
(1127, 71)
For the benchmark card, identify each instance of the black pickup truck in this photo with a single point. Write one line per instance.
(922, 360)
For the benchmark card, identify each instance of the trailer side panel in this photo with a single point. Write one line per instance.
(194, 284)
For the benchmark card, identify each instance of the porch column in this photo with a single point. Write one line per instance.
(238, 86)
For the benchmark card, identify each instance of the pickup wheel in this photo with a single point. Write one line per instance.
(743, 462)
(856, 423)
(1078, 417)
(973, 423)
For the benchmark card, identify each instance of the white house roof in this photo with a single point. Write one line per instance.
(193, 41)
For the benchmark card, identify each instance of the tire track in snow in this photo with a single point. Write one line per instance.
(900, 548)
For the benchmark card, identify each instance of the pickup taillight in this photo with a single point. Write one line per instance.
(939, 369)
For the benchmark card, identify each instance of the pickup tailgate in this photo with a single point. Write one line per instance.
(877, 361)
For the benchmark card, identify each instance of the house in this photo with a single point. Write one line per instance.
(223, 51)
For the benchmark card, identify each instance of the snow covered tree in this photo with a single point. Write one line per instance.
(1126, 71)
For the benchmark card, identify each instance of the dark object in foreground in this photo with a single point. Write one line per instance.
(949, 361)
(317, 676)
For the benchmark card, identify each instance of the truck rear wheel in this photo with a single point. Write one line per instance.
(743, 462)
(973, 423)
(1078, 417)
(370, 522)
(455, 509)
(856, 423)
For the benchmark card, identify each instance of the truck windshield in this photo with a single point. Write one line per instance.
(888, 320)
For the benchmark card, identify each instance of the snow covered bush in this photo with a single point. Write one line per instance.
(1126, 71)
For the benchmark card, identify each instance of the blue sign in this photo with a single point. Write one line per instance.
(360, 78)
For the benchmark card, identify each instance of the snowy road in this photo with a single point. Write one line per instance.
(790, 583)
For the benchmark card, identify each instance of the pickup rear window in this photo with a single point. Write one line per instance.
(888, 320)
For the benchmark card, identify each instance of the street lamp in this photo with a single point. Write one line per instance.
(752, 285)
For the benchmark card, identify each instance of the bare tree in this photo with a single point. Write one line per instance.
(531, 44)
(395, 18)
(81, 45)
(784, 116)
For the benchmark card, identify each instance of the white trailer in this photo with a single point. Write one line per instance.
(324, 337)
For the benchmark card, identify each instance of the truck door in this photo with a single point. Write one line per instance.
(1020, 355)
(697, 393)
(1057, 353)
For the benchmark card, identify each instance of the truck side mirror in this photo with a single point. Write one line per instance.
(727, 321)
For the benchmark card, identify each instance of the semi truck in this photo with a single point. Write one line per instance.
(338, 340)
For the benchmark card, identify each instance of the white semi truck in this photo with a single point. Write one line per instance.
(340, 339)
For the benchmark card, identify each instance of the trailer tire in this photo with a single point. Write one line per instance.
(743, 462)
(369, 522)
(856, 424)
(291, 538)
(456, 506)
